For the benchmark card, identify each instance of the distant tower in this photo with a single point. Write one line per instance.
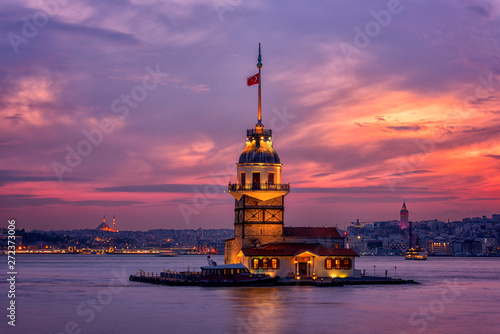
(104, 219)
(114, 221)
(404, 216)
(259, 194)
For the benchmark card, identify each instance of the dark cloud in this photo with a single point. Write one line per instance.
(216, 176)
(382, 199)
(323, 174)
(405, 128)
(482, 9)
(19, 200)
(483, 199)
(362, 190)
(16, 201)
(165, 188)
(411, 172)
(10, 176)
(104, 203)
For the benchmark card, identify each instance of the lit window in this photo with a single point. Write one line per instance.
(264, 264)
(255, 264)
(275, 263)
(337, 264)
(328, 264)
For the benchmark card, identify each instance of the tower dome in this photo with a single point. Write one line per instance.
(259, 149)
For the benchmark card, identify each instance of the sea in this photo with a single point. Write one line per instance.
(92, 294)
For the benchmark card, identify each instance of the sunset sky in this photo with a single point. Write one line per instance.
(370, 103)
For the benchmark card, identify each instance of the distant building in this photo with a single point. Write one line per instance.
(105, 227)
(404, 216)
(439, 247)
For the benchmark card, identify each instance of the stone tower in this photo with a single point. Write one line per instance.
(404, 216)
(259, 193)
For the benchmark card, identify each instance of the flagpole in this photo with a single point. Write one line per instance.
(259, 66)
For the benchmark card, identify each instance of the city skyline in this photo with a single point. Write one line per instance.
(371, 104)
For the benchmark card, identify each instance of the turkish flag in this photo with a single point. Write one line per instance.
(253, 80)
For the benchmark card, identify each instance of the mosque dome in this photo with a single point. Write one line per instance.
(103, 226)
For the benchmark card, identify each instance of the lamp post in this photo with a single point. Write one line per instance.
(395, 272)
(374, 270)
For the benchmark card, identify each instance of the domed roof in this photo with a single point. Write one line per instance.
(102, 226)
(259, 151)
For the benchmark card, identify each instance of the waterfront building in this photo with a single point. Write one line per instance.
(261, 241)
(439, 247)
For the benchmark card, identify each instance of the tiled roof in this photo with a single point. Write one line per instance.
(312, 232)
(293, 249)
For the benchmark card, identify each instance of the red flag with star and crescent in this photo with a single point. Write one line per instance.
(253, 80)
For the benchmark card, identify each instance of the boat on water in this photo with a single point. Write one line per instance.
(168, 253)
(233, 275)
(416, 253)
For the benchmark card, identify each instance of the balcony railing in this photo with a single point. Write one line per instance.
(259, 187)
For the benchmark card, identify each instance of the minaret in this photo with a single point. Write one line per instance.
(403, 216)
(259, 193)
(114, 221)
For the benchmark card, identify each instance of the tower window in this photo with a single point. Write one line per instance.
(243, 178)
(256, 180)
(270, 178)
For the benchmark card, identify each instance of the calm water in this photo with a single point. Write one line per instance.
(91, 294)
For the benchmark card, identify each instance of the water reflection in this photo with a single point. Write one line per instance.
(256, 310)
